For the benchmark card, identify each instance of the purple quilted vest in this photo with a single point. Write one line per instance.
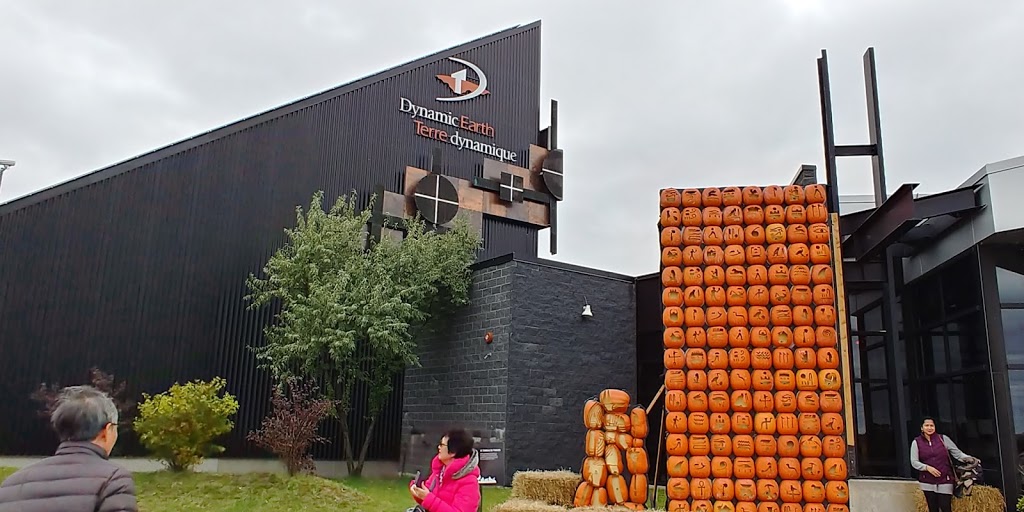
(935, 455)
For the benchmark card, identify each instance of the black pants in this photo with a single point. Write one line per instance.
(938, 502)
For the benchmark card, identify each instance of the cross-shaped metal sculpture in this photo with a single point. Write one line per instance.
(511, 188)
(437, 199)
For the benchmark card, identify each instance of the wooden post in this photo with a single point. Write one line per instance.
(843, 335)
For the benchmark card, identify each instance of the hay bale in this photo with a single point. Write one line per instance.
(521, 505)
(983, 498)
(609, 508)
(549, 487)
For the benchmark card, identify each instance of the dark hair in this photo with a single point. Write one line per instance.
(82, 412)
(460, 444)
(926, 418)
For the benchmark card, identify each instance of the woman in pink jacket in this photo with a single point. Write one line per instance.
(453, 484)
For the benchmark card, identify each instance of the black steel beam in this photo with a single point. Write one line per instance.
(874, 125)
(953, 202)
(856, 150)
(884, 226)
(828, 133)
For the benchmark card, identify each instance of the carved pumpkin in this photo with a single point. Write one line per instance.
(757, 295)
(712, 235)
(676, 444)
(800, 275)
(810, 424)
(760, 337)
(714, 275)
(698, 423)
(691, 197)
(742, 400)
(785, 380)
(736, 296)
(717, 315)
(693, 296)
(675, 380)
(754, 234)
(636, 461)
(819, 233)
(742, 423)
(616, 422)
(753, 214)
(718, 359)
(742, 445)
(825, 315)
(740, 381)
(752, 195)
(614, 400)
(618, 489)
(785, 401)
(691, 216)
(739, 358)
(733, 235)
(828, 358)
(677, 467)
(821, 274)
(790, 490)
(673, 297)
(794, 194)
(623, 440)
(678, 506)
(778, 274)
(669, 197)
(782, 336)
(638, 488)
(791, 507)
(595, 471)
(835, 469)
(764, 401)
(721, 468)
(722, 486)
(813, 491)
(761, 358)
(671, 276)
(638, 422)
(696, 337)
(675, 400)
(692, 317)
(767, 468)
(806, 358)
(773, 194)
(713, 254)
(671, 257)
(700, 467)
(803, 316)
(832, 424)
(746, 489)
(831, 401)
(696, 401)
(796, 214)
(678, 488)
(693, 276)
(756, 255)
(815, 193)
(736, 275)
(796, 233)
(671, 236)
(782, 358)
(721, 445)
(696, 359)
(821, 254)
(767, 490)
(723, 506)
(711, 196)
(739, 336)
(816, 213)
(757, 275)
(762, 380)
(830, 380)
(768, 507)
(803, 335)
(584, 494)
(718, 337)
(696, 380)
(714, 296)
(700, 445)
(675, 423)
(789, 446)
(825, 336)
(775, 234)
(774, 214)
(671, 216)
(692, 235)
(764, 423)
(593, 415)
(781, 315)
(735, 255)
(674, 359)
(673, 337)
(799, 254)
(786, 424)
(806, 380)
(778, 294)
(757, 316)
(732, 215)
(824, 295)
(638, 442)
(778, 254)
(833, 447)
(837, 492)
(801, 294)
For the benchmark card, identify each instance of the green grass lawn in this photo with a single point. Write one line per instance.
(207, 492)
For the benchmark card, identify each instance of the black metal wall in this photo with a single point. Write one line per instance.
(140, 268)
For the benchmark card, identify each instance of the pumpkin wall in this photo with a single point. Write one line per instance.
(754, 397)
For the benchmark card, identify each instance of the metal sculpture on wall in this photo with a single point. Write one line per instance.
(755, 411)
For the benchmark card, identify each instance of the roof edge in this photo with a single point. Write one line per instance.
(139, 160)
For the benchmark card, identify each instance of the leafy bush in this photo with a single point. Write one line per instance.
(291, 428)
(179, 426)
(47, 396)
(1020, 504)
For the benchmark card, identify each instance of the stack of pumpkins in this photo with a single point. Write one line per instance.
(753, 389)
(614, 446)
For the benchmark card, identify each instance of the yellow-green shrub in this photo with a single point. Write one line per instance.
(179, 425)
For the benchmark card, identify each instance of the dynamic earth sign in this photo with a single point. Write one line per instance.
(420, 115)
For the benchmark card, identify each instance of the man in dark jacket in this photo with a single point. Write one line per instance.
(78, 478)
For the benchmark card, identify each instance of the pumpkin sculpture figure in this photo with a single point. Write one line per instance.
(755, 414)
(614, 449)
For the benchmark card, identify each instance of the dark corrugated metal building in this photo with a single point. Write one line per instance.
(139, 268)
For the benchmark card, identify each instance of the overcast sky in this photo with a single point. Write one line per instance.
(696, 93)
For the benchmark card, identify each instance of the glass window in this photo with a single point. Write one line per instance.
(1011, 286)
(968, 342)
(873, 319)
(855, 353)
(1013, 335)
(858, 392)
(876, 363)
(961, 285)
(1017, 401)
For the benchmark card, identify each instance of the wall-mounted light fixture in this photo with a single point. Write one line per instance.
(586, 308)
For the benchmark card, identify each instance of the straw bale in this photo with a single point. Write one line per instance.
(549, 487)
(521, 505)
(983, 498)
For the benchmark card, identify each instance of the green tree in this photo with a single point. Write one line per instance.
(351, 308)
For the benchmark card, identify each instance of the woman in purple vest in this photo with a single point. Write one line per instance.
(929, 455)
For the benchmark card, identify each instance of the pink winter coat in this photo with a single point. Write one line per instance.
(455, 487)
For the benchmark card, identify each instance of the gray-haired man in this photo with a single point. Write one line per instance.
(78, 478)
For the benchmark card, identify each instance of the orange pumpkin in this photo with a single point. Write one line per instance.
(796, 233)
(761, 358)
(678, 488)
(711, 196)
(778, 274)
(764, 401)
(806, 380)
(671, 216)
(778, 294)
(614, 400)
(799, 254)
(678, 506)
(693, 276)
(740, 381)
(675, 423)
(813, 491)
(742, 423)
(764, 423)
(752, 195)
(753, 215)
(732, 215)
(837, 492)
(768, 507)
(789, 446)
(721, 445)
(824, 295)
(833, 446)
(675, 400)
(733, 235)
(825, 315)
(775, 234)
(714, 296)
(718, 337)
(828, 358)
(821, 274)
(673, 296)
(696, 380)
(760, 337)
(806, 358)
(673, 359)
(676, 444)
(742, 445)
(781, 316)
(796, 214)
(786, 424)
(671, 257)
(736, 296)
(691, 216)
(832, 424)
(773, 194)
(584, 494)
(736, 275)
(817, 212)
(722, 487)
(756, 255)
(723, 506)
(800, 274)
(835, 469)
(712, 235)
(767, 468)
(671, 236)
(739, 358)
(618, 489)
(803, 335)
(691, 197)
(803, 316)
(819, 233)
(669, 197)
(825, 336)
(638, 422)
(675, 379)
(790, 490)
(673, 337)
(696, 337)
(595, 443)
(785, 401)
(757, 275)
(754, 234)
(595, 471)
(782, 336)
(765, 444)
(785, 380)
(714, 255)
(677, 466)
(700, 467)
(696, 401)
(782, 358)
(774, 214)
(698, 423)
(742, 400)
(794, 194)
(746, 489)
(718, 359)
(744, 506)
(721, 467)
(821, 254)
(831, 401)
(830, 380)
(593, 414)
(692, 316)
(791, 507)
(717, 315)
(757, 316)
(762, 380)
(693, 296)
(692, 235)
(671, 276)
(617, 422)
(778, 254)
(636, 461)
(801, 294)
(638, 489)
(700, 445)
(757, 295)
(815, 193)
(767, 490)
(810, 424)
(714, 275)
(735, 255)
